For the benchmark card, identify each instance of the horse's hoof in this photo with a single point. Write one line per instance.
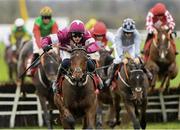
(70, 121)
(118, 122)
(99, 125)
(111, 124)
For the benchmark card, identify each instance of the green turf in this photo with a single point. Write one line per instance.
(3, 66)
(150, 126)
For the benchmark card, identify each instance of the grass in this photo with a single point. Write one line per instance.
(150, 126)
(3, 66)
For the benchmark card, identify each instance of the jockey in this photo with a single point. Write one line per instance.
(19, 31)
(158, 17)
(101, 35)
(127, 40)
(74, 35)
(43, 26)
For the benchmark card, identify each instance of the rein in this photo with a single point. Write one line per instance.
(103, 67)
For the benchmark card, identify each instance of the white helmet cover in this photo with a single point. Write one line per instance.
(19, 22)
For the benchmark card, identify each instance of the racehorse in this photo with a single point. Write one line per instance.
(11, 58)
(132, 84)
(42, 79)
(162, 60)
(77, 98)
(105, 97)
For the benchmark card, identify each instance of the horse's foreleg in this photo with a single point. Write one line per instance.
(131, 112)
(164, 83)
(10, 74)
(99, 120)
(67, 120)
(90, 119)
(20, 70)
(143, 115)
(45, 109)
(90, 116)
(118, 109)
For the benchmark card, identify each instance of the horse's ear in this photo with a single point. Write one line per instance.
(111, 50)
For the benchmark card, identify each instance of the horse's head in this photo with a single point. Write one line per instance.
(78, 63)
(137, 79)
(103, 55)
(50, 62)
(104, 61)
(162, 43)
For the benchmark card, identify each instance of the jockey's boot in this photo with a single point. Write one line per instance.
(62, 70)
(108, 82)
(33, 69)
(99, 81)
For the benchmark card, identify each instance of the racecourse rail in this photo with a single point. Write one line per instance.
(156, 104)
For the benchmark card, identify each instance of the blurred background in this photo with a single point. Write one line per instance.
(112, 12)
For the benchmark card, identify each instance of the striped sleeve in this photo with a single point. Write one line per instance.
(170, 20)
(149, 22)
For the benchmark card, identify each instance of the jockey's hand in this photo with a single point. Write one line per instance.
(136, 60)
(47, 48)
(125, 60)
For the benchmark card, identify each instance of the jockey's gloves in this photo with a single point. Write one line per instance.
(47, 48)
(136, 60)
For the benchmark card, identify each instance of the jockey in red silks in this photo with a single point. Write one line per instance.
(158, 17)
(101, 35)
(76, 34)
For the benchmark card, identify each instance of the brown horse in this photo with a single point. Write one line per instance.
(162, 60)
(105, 96)
(78, 97)
(43, 79)
(11, 58)
(132, 84)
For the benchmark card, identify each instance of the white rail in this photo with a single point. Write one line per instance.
(162, 103)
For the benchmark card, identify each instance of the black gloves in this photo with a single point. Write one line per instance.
(47, 48)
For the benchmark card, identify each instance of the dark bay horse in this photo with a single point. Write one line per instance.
(162, 60)
(132, 85)
(43, 80)
(11, 58)
(78, 98)
(105, 97)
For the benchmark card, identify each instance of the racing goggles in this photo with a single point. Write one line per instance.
(77, 35)
(102, 35)
(46, 17)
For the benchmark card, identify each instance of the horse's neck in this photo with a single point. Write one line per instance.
(42, 76)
